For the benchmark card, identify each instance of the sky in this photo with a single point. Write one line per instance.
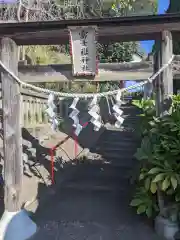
(147, 45)
(162, 7)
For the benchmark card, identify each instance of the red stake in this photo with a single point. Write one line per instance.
(54, 148)
(52, 163)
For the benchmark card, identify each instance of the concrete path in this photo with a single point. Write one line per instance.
(88, 215)
(94, 203)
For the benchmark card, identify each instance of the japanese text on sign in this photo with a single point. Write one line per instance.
(83, 51)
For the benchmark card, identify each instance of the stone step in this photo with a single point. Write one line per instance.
(129, 149)
(95, 185)
(114, 151)
(131, 121)
(117, 156)
(88, 213)
(118, 146)
(131, 116)
(102, 170)
(101, 179)
(111, 127)
(124, 162)
(118, 140)
(129, 124)
(131, 113)
(123, 143)
(130, 108)
(118, 137)
(120, 132)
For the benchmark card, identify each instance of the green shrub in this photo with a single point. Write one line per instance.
(159, 156)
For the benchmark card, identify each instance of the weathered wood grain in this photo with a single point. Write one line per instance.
(109, 29)
(107, 72)
(164, 82)
(11, 104)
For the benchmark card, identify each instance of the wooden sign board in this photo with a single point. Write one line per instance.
(83, 50)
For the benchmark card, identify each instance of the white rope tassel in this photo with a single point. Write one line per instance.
(74, 116)
(51, 112)
(94, 113)
(117, 111)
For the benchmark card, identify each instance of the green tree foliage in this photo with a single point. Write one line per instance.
(158, 156)
(90, 8)
(135, 7)
(112, 52)
(43, 55)
(117, 52)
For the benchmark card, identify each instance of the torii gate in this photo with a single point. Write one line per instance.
(15, 223)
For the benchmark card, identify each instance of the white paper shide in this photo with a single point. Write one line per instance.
(51, 111)
(94, 113)
(74, 116)
(117, 111)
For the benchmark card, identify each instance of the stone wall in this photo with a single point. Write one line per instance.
(38, 138)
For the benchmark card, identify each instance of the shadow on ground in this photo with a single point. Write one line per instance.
(90, 198)
(94, 202)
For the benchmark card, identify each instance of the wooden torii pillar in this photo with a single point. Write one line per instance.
(163, 84)
(163, 88)
(15, 223)
(164, 81)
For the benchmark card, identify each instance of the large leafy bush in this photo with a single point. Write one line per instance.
(159, 157)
